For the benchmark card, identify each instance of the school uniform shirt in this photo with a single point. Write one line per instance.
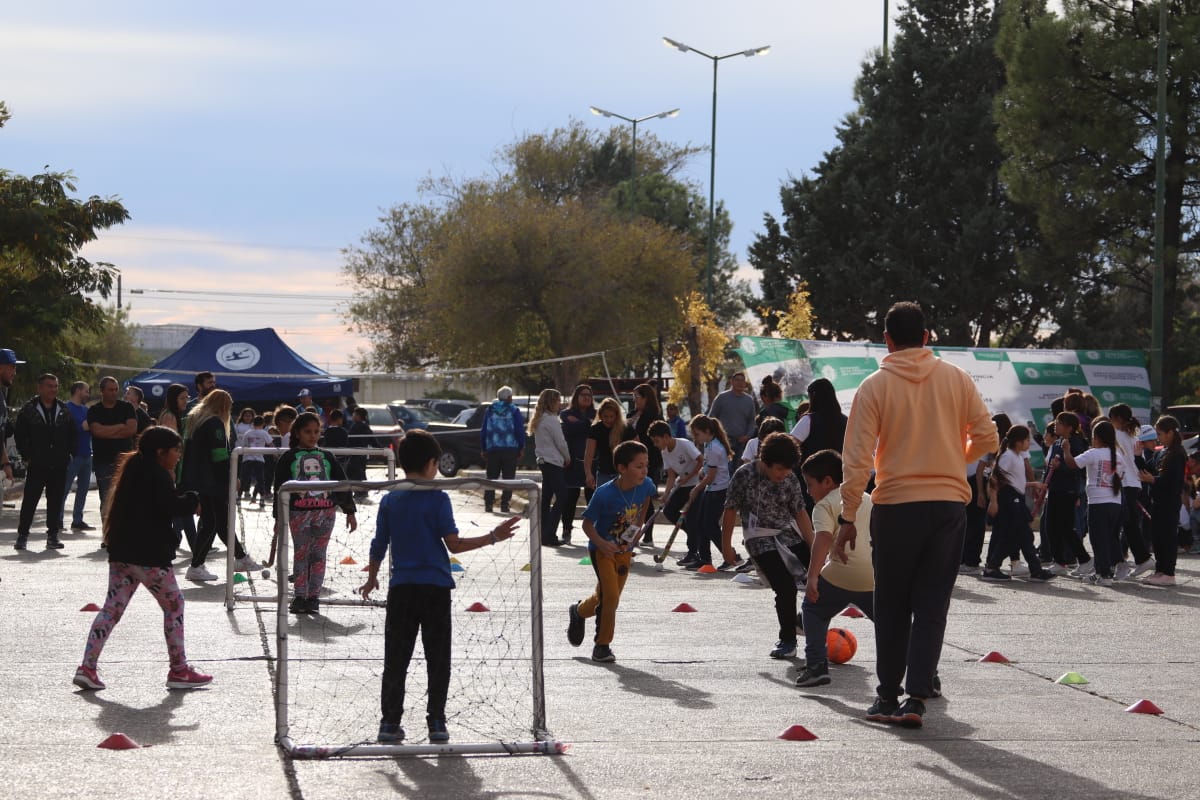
(1012, 468)
(255, 437)
(765, 505)
(1099, 467)
(1127, 450)
(857, 574)
(414, 525)
(613, 509)
(681, 460)
(715, 455)
(750, 451)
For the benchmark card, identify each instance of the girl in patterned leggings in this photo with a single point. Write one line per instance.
(141, 546)
(311, 514)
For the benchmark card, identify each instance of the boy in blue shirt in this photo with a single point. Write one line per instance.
(419, 527)
(613, 523)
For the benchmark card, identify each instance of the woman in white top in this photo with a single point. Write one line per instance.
(1127, 429)
(1104, 480)
(553, 457)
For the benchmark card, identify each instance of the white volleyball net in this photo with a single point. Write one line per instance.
(329, 665)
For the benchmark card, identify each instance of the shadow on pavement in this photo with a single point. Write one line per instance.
(646, 683)
(146, 726)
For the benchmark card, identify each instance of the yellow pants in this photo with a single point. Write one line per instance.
(611, 572)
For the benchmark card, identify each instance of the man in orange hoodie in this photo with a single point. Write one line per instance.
(918, 422)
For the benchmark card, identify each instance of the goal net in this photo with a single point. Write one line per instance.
(329, 665)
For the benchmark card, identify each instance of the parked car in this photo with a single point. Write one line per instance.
(446, 407)
(1189, 423)
(412, 417)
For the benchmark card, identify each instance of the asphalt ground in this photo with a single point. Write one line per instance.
(692, 707)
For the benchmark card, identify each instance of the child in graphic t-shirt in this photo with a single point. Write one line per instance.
(311, 514)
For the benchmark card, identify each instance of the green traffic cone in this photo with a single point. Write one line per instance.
(239, 578)
(585, 561)
(1072, 679)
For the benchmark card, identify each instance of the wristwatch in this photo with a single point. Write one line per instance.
(844, 521)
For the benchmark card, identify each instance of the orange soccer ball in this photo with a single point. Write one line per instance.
(841, 645)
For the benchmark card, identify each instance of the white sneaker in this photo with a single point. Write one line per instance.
(199, 573)
(247, 564)
(967, 569)
(1146, 566)
(1084, 570)
(1019, 569)
(1122, 571)
(1059, 569)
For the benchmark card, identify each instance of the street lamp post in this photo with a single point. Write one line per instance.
(600, 112)
(885, 29)
(712, 163)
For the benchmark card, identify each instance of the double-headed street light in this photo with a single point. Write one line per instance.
(600, 112)
(712, 164)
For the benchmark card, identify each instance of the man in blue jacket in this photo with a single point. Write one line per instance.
(501, 443)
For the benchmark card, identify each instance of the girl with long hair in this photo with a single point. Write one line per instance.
(553, 456)
(608, 431)
(1166, 494)
(647, 411)
(771, 395)
(175, 408)
(709, 434)
(1104, 478)
(206, 471)
(141, 546)
(1011, 530)
(576, 418)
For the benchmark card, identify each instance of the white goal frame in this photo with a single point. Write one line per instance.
(542, 743)
(235, 457)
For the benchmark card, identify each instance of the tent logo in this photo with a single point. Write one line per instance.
(156, 390)
(238, 355)
(749, 346)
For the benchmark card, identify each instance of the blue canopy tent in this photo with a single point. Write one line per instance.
(254, 366)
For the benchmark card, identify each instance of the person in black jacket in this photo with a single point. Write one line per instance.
(141, 546)
(45, 434)
(360, 435)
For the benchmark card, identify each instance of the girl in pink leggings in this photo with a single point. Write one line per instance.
(141, 546)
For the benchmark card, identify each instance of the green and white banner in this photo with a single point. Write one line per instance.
(1019, 383)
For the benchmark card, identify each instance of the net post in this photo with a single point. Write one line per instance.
(391, 464)
(536, 643)
(231, 525)
(282, 558)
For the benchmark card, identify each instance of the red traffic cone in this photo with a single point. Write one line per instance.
(686, 608)
(119, 741)
(993, 657)
(367, 568)
(477, 606)
(853, 612)
(707, 569)
(347, 560)
(797, 733)
(90, 607)
(1144, 707)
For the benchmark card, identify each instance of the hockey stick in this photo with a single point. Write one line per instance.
(661, 557)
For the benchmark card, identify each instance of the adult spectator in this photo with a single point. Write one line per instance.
(678, 426)
(45, 434)
(134, 396)
(174, 410)
(8, 372)
(576, 419)
(647, 411)
(735, 408)
(113, 424)
(501, 443)
(360, 435)
(79, 471)
(204, 382)
(918, 421)
(823, 426)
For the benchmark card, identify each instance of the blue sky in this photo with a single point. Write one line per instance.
(252, 141)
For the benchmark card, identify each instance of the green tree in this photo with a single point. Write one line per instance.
(909, 204)
(1077, 119)
(43, 279)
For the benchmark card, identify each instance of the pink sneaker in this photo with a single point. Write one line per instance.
(86, 678)
(187, 678)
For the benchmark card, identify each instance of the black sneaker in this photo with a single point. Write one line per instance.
(882, 710)
(566, 537)
(937, 686)
(697, 564)
(910, 714)
(747, 565)
(574, 626)
(551, 543)
(1043, 576)
(687, 561)
(312, 606)
(437, 730)
(299, 605)
(814, 675)
(52, 543)
(603, 653)
(82, 526)
(648, 539)
(390, 732)
(784, 650)
(994, 574)
(21, 543)
(505, 510)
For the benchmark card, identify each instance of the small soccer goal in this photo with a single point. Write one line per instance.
(329, 665)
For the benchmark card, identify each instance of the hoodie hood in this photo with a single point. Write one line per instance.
(499, 406)
(913, 364)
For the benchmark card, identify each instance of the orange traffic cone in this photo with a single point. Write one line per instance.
(119, 741)
(1144, 707)
(993, 657)
(797, 733)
